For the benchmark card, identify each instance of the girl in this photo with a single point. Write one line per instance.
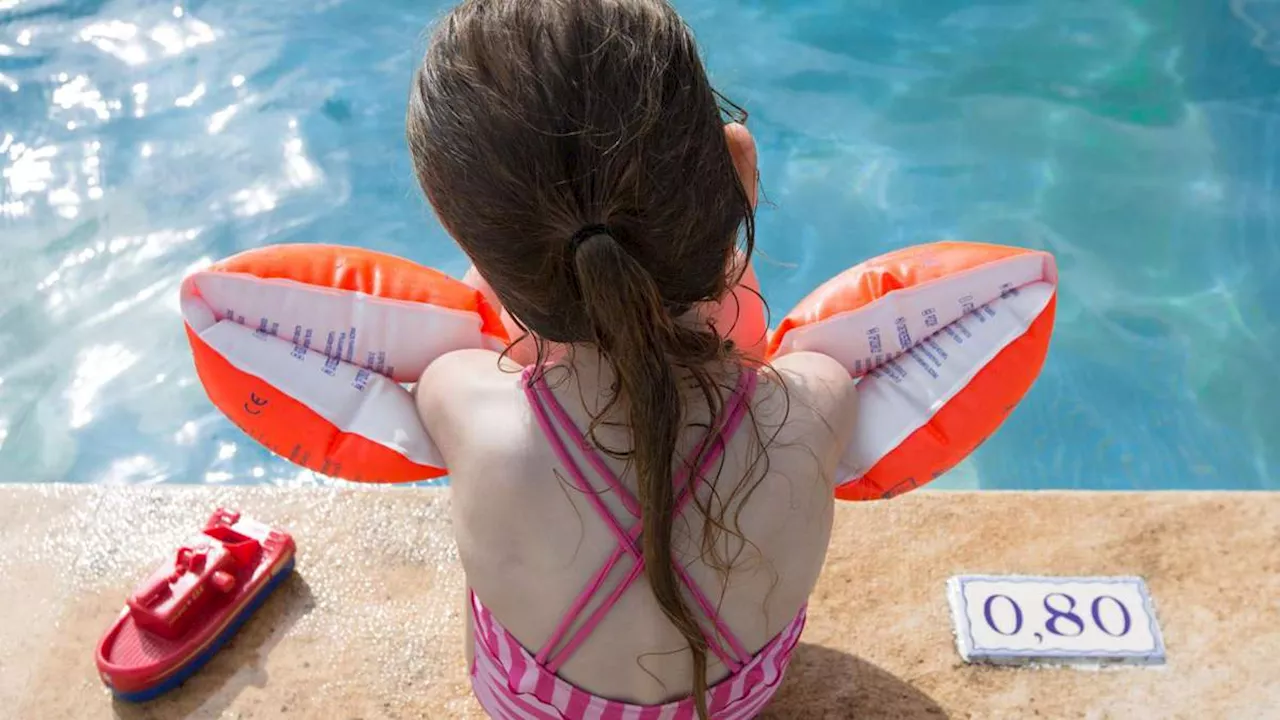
(643, 510)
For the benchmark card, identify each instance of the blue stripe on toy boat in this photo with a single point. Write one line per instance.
(199, 661)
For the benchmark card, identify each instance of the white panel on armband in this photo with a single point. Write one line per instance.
(396, 338)
(865, 338)
(356, 400)
(902, 395)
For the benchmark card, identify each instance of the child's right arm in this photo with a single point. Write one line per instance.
(824, 405)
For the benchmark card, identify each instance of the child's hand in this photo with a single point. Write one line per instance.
(743, 149)
(740, 316)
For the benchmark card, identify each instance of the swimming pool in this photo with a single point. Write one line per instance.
(1139, 141)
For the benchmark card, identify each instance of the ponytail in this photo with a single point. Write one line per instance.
(639, 337)
(529, 119)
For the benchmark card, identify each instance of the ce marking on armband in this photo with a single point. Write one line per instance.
(257, 404)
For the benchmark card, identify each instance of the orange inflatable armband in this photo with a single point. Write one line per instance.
(946, 338)
(305, 347)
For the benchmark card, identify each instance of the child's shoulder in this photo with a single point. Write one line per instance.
(465, 389)
(811, 401)
(459, 372)
(821, 384)
(472, 367)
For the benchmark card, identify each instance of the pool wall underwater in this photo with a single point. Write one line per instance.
(1137, 141)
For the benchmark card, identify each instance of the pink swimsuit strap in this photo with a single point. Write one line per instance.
(510, 684)
(553, 420)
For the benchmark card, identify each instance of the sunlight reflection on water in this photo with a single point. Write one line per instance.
(142, 140)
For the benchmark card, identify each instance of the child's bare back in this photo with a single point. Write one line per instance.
(530, 542)
(576, 152)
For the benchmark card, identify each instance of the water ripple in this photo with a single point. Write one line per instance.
(144, 139)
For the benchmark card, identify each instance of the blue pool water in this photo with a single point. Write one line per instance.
(1139, 141)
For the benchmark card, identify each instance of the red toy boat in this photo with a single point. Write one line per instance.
(184, 613)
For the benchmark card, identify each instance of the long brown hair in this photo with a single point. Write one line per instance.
(575, 149)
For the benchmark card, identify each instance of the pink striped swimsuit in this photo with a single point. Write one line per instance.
(511, 683)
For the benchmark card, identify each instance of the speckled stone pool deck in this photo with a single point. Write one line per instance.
(369, 627)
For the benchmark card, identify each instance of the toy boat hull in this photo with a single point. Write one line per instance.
(138, 664)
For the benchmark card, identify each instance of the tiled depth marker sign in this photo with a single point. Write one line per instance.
(1010, 619)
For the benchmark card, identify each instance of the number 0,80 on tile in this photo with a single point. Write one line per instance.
(1013, 619)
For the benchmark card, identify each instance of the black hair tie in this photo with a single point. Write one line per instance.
(585, 234)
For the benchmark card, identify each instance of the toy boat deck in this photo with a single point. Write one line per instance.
(178, 618)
